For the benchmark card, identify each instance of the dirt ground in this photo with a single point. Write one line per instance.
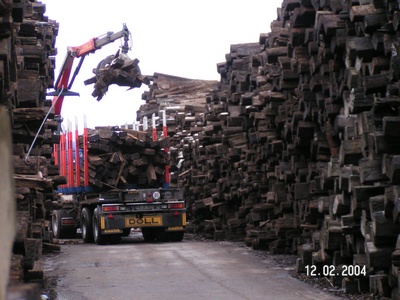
(279, 261)
(289, 261)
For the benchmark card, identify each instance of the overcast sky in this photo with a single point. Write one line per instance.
(177, 37)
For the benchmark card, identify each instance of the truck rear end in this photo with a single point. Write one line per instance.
(160, 213)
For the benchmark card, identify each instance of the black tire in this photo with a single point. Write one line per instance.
(56, 224)
(86, 225)
(69, 233)
(58, 231)
(114, 239)
(163, 236)
(99, 239)
(176, 236)
(126, 232)
(170, 236)
(149, 234)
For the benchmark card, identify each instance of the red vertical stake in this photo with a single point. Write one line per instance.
(166, 149)
(55, 154)
(153, 127)
(85, 156)
(62, 156)
(70, 157)
(77, 158)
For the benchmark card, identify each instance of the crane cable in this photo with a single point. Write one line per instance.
(41, 126)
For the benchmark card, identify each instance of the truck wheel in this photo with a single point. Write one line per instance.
(176, 236)
(126, 232)
(99, 239)
(58, 231)
(114, 239)
(149, 234)
(56, 223)
(86, 223)
(163, 236)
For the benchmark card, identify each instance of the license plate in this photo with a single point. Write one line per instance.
(112, 231)
(146, 207)
(175, 228)
(143, 222)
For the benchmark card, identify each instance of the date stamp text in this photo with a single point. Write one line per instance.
(331, 271)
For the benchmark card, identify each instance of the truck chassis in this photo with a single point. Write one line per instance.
(105, 218)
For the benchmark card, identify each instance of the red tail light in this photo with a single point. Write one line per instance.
(176, 206)
(110, 208)
(68, 221)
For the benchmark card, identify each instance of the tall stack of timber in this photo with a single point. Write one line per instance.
(183, 99)
(298, 151)
(27, 49)
(185, 102)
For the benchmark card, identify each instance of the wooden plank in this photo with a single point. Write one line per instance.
(29, 91)
(391, 126)
(378, 257)
(7, 215)
(359, 12)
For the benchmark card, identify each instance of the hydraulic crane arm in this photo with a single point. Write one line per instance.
(63, 82)
(98, 42)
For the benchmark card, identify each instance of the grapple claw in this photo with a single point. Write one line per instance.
(116, 69)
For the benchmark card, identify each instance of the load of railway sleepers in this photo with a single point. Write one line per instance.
(117, 69)
(123, 157)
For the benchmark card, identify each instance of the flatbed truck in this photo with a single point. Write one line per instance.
(106, 217)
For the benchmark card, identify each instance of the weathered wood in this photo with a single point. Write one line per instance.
(379, 285)
(121, 72)
(29, 91)
(27, 66)
(117, 157)
(391, 126)
(37, 271)
(371, 171)
(300, 135)
(359, 12)
(7, 215)
(377, 257)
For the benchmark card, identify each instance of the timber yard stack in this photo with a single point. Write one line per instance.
(298, 150)
(27, 39)
(184, 101)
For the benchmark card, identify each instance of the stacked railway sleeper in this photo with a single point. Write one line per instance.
(27, 50)
(297, 149)
(184, 102)
(125, 157)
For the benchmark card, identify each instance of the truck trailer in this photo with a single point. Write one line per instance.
(106, 212)
(104, 218)
(105, 215)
